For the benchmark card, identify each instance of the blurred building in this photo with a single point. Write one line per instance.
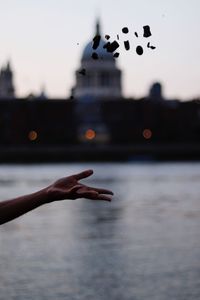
(100, 77)
(155, 92)
(7, 89)
(97, 79)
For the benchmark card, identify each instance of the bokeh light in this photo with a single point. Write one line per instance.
(90, 134)
(32, 135)
(147, 133)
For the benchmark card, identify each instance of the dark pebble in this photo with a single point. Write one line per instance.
(139, 50)
(95, 55)
(126, 45)
(147, 31)
(96, 41)
(111, 47)
(116, 55)
(125, 30)
(82, 72)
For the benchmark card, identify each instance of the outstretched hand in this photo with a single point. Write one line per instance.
(64, 188)
(70, 188)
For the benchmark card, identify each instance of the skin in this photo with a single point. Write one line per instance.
(64, 188)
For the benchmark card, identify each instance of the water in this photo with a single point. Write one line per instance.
(143, 245)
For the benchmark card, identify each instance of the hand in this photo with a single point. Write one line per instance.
(70, 188)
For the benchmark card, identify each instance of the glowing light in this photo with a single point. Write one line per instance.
(32, 135)
(147, 134)
(90, 134)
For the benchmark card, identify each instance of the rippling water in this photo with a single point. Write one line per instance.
(145, 244)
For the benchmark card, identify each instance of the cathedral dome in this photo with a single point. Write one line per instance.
(101, 77)
(101, 52)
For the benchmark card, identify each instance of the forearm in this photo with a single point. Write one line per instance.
(14, 208)
(3, 203)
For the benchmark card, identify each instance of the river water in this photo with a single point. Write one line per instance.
(144, 245)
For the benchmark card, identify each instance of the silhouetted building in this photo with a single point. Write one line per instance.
(6, 82)
(155, 92)
(98, 77)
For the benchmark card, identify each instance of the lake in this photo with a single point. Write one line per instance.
(144, 245)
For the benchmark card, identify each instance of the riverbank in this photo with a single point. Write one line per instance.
(92, 152)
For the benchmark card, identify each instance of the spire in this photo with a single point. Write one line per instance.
(43, 92)
(98, 29)
(8, 68)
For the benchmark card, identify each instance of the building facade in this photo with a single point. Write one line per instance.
(7, 89)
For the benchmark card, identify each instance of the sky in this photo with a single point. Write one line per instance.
(44, 40)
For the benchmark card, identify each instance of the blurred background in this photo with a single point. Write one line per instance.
(132, 114)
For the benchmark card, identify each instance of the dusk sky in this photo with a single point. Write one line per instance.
(44, 40)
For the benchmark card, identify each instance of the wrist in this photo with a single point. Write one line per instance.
(49, 194)
(42, 196)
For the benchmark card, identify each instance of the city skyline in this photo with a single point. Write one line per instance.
(45, 41)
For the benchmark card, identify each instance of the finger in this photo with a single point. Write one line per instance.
(92, 195)
(87, 194)
(104, 197)
(101, 191)
(83, 174)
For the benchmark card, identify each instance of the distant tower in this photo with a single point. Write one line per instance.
(155, 92)
(102, 78)
(6, 82)
(42, 95)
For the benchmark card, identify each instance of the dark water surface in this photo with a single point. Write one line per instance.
(145, 245)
